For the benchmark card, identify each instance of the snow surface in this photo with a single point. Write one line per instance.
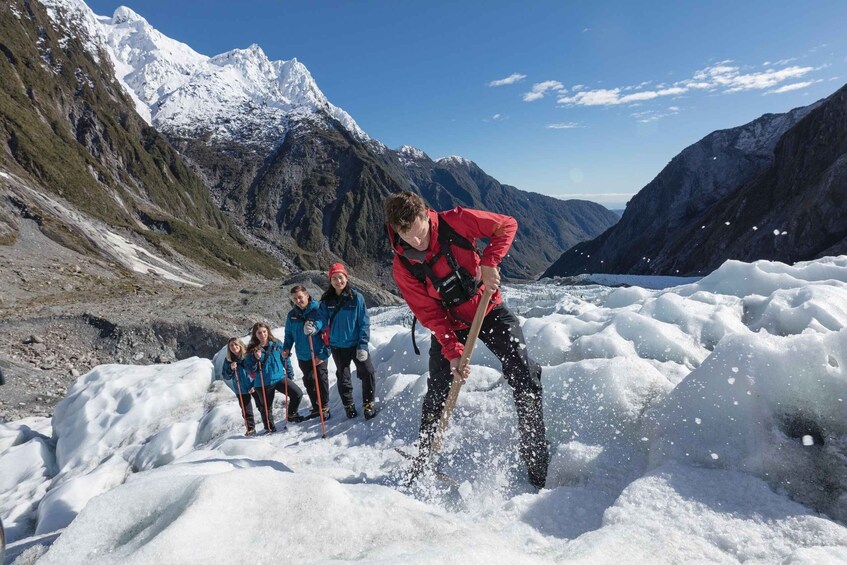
(700, 423)
(239, 95)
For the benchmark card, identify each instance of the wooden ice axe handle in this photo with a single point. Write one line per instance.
(457, 383)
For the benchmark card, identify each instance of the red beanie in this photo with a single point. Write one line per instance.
(338, 268)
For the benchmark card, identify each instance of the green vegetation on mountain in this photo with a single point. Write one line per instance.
(68, 126)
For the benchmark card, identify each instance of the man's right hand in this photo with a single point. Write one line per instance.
(490, 277)
(285, 353)
(454, 369)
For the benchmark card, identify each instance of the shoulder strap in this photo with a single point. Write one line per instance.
(416, 269)
(447, 234)
(335, 312)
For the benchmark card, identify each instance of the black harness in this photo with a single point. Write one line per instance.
(459, 285)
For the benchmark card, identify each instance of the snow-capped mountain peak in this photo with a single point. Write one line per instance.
(240, 95)
(411, 152)
(124, 14)
(457, 160)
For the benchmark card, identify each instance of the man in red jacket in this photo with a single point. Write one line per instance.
(442, 277)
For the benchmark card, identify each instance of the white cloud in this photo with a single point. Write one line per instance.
(649, 116)
(496, 118)
(539, 89)
(577, 87)
(793, 86)
(600, 97)
(723, 76)
(731, 80)
(565, 125)
(511, 79)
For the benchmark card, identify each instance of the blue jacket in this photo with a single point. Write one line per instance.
(349, 326)
(294, 332)
(245, 379)
(274, 367)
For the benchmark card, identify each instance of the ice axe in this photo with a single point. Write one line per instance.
(426, 455)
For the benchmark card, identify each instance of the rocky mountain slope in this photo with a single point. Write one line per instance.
(295, 172)
(77, 155)
(731, 195)
(546, 224)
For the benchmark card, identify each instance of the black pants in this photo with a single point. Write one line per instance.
(364, 370)
(295, 395)
(502, 334)
(245, 401)
(309, 382)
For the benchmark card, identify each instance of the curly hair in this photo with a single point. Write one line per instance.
(402, 209)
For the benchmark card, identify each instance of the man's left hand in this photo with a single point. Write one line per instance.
(490, 277)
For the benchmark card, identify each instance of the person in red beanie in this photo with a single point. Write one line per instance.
(442, 276)
(348, 333)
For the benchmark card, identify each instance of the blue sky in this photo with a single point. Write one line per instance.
(573, 99)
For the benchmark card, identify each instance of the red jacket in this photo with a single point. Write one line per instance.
(422, 298)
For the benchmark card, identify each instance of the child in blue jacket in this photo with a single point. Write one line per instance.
(349, 333)
(272, 373)
(235, 370)
(303, 325)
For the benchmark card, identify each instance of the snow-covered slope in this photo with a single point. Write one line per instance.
(238, 96)
(702, 423)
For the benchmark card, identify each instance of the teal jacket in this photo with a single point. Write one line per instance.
(295, 337)
(274, 367)
(245, 379)
(347, 316)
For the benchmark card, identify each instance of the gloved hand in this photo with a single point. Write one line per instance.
(362, 355)
(309, 328)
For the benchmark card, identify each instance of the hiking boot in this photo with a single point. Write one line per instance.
(315, 413)
(350, 409)
(250, 432)
(296, 418)
(369, 410)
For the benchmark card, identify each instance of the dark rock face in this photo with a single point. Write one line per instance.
(798, 205)
(319, 197)
(729, 195)
(71, 132)
(546, 225)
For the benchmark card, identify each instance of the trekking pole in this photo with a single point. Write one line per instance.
(455, 386)
(317, 386)
(265, 398)
(286, 398)
(241, 402)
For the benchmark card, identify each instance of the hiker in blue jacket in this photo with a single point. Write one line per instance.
(272, 373)
(235, 370)
(304, 324)
(349, 331)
